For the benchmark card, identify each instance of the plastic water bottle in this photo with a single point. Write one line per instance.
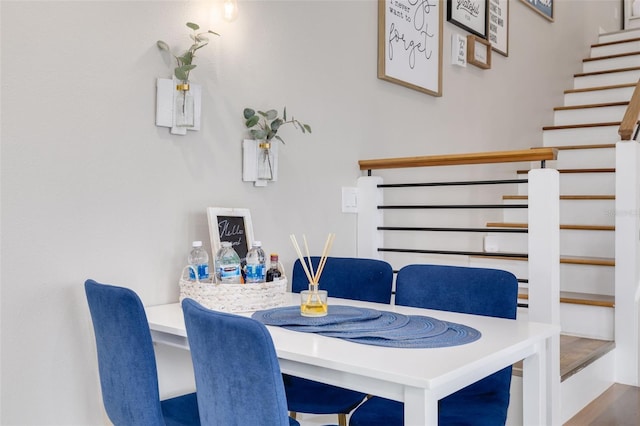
(256, 268)
(199, 259)
(228, 265)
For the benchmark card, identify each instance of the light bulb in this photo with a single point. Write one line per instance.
(230, 10)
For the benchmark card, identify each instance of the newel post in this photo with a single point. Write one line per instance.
(369, 217)
(627, 275)
(544, 269)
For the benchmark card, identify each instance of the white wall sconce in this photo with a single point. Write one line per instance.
(178, 106)
(230, 10)
(259, 162)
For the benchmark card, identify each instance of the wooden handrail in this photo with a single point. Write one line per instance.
(631, 115)
(534, 154)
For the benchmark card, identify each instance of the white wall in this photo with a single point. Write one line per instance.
(91, 188)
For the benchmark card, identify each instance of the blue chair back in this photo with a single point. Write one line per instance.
(238, 377)
(370, 280)
(126, 361)
(479, 291)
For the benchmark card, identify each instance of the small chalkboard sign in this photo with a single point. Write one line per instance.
(230, 224)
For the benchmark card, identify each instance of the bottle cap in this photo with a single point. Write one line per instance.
(274, 257)
(197, 244)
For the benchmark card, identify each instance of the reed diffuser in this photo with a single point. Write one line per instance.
(313, 302)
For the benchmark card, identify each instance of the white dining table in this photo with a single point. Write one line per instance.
(417, 377)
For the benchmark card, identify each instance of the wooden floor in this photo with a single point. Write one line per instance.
(617, 406)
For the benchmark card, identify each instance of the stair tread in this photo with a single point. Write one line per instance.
(587, 74)
(612, 56)
(572, 260)
(597, 88)
(573, 297)
(564, 197)
(583, 125)
(592, 170)
(575, 354)
(611, 43)
(562, 226)
(590, 146)
(587, 106)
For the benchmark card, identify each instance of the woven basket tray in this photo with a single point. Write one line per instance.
(234, 297)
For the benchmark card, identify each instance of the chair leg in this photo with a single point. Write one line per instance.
(292, 414)
(342, 419)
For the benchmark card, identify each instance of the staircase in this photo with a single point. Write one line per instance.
(584, 131)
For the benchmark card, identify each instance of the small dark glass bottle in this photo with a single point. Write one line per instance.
(274, 273)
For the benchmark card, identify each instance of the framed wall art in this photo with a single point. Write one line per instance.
(543, 7)
(470, 15)
(498, 26)
(410, 44)
(233, 225)
(478, 52)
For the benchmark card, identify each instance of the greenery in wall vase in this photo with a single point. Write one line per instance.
(264, 126)
(185, 61)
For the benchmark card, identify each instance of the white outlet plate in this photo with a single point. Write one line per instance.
(349, 199)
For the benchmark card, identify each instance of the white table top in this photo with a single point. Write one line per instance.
(389, 370)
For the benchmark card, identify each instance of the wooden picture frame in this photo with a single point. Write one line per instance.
(470, 15)
(410, 44)
(498, 26)
(230, 224)
(478, 52)
(543, 7)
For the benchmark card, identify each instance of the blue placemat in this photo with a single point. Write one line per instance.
(386, 321)
(415, 327)
(290, 316)
(456, 334)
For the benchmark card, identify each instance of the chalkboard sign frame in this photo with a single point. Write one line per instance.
(389, 36)
(238, 229)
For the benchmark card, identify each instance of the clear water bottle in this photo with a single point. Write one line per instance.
(256, 268)
(228, 265)
(199, 260)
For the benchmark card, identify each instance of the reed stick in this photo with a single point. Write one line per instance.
(313, 274)
(300, 256)
(323, 260)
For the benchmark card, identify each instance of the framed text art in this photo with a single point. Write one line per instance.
(498, 22)
(470, 15)
(410, 44)
(478, 52)
(233, 225)
(543, 7)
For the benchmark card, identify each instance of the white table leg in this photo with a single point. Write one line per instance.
(420, 407)
(541, 385)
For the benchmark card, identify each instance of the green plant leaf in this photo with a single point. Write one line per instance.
(163, 46)
(248, 113)
(258, 134)
(262, 113)
(306, 126)
(284, 114)
(187, 58)
(275, 124)
(252, 121)
(271, 114)
(213, 32)
(279, 138)
(194, 27)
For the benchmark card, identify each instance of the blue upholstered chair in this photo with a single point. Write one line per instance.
(488, 292)
(127, 364)
(238, 377)
(349, 278)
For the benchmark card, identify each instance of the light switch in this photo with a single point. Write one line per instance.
(349, 199)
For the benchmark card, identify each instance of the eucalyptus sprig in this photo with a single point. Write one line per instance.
(185, 61)
(265, 125)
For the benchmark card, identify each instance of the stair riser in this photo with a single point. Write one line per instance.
(580, 136)
(582, 184)
(576, 212)
(595, 322)
(608, 79)
(618, 36)
(572, 243)
(585, 158)
(615, 49)
(622, 94)
(589, 115)
(611, 64)
(591, 279)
